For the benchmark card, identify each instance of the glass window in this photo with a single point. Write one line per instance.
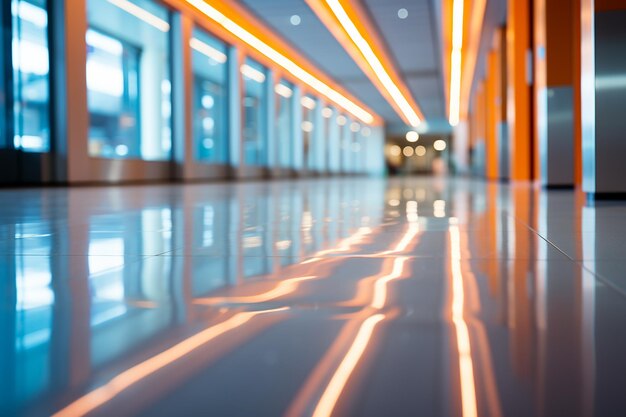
(308, 108)
(31, 68)
(254, 112)
(128, 80)
(354, 147)
(210, 107)
(284, 124)
(345, 138)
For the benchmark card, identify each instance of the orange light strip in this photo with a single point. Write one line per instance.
(455, 62)
(374, 62)
(464, 347)
(350, 25)
(338, 382)
(96, 398)
(283, 61)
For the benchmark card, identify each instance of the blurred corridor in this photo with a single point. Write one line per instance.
(312, 208)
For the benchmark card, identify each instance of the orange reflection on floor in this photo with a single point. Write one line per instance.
(464, 348)
(379, 298)
(407, 239)
(346, 244)
(335, 387)
(89, 402)
(282, 288)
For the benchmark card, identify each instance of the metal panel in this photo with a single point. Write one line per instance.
(610, 88)
(603, 98)
(556, 136)
(234, 107)
(504, 167)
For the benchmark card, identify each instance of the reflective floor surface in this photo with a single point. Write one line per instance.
(342, 297)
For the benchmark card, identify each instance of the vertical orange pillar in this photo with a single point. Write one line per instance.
(491, 110)
(519, 87)
(479, 144)
(502, 135)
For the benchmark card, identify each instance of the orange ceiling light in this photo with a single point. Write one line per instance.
(455, 62)
(351, 26)
(230, 18)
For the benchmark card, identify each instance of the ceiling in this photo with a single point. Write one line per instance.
(414, 43)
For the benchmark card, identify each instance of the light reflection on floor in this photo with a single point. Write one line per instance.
(328, 297)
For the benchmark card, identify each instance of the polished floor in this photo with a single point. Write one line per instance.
(327, 297)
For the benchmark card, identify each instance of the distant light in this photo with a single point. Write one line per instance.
(208, 101)
(141, 14)
(439, 145)
(403, 13)
(283, 90)
(420, 150)
(295, 20)
(394, 203)
(327, 112)
(28, 142)
(408, 151)
(208, 123)
(439, 208)
(207, 50)
(395, 150)
(412, 136)
(355, 127)
(33, 14)
(308, 102)
(366, 131)
(121, 150)
(208, 143)
(307, 126)
(341, 120)
(252, 73)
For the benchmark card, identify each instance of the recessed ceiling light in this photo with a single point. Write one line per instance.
(295, 20)
(412, 136)
(403, 13)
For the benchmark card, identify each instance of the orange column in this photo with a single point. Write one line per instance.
(491, 109)
(519, 89)
(479, 145)
(499, 46)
